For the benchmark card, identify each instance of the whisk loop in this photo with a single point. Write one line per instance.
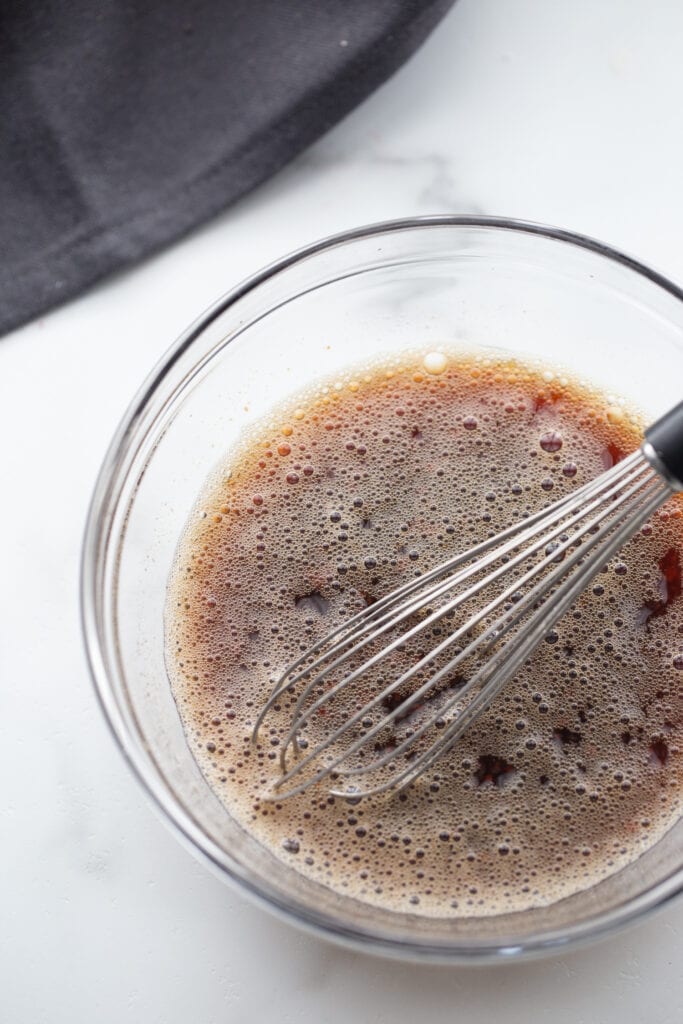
(518, 583)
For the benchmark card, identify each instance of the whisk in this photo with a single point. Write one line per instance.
(489, 608)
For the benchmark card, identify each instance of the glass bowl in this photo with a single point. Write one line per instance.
(468, 281)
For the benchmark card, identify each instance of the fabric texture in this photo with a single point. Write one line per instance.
(126, 124)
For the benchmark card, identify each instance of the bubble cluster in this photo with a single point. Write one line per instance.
(361, 484)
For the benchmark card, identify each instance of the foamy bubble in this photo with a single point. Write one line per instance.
(435, 362)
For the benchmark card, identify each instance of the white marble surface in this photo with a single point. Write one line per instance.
(562, 112)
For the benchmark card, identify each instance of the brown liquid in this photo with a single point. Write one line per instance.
(573, 771)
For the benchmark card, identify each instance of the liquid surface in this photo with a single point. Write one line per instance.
(575, 769)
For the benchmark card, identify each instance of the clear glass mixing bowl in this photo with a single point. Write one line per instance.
(462, 280)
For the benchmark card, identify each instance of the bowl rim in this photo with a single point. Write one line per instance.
(160, 795)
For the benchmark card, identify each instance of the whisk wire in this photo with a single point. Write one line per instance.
(512, 655)
(391, 620)
(352, 629)
(299, 719)
(595, 520)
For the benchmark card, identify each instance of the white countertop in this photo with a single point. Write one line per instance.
(568, 113)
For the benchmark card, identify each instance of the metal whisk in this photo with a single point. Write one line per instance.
(484, 611)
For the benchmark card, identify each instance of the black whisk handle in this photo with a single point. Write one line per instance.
(665, 438)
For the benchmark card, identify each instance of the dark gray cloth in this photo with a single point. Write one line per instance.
(126, 123)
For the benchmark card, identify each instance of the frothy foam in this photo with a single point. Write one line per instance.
(572, 772)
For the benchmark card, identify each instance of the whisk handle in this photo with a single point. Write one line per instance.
(665, 438)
